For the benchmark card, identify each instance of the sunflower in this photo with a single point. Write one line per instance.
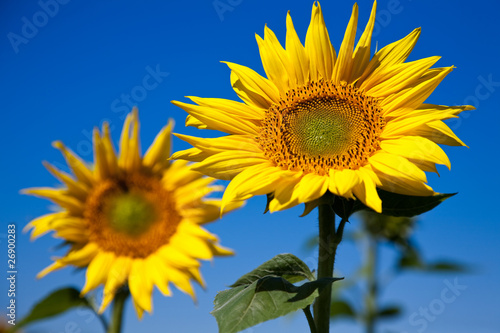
(347, 123)
(131, 220)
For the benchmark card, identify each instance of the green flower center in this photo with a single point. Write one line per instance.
(321, 126)
(131, 214)
(320, 132)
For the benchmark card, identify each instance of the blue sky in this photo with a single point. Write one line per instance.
(86, 62)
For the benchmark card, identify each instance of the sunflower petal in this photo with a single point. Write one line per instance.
(297, 55)
(361, 55)
(319, 49)
(396, 166)
(156, 157)
(219, 120)
(140, 284)
(416, 147)
(392, 54)
(343, 66)
(97, 271)
(366, 191)
(252, 88)
(275, 60)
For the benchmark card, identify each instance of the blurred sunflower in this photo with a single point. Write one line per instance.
(131, 220)
(323, 121)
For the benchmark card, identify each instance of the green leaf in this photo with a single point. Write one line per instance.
(264, 299)
(284, 265)
(394, 204)
(54, 304)
(341, 308)
(389, 311)
(270, 197)
(445, 267)
(410, 259)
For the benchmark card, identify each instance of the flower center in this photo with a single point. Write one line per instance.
(321, 126)
(319, 131)
(132, 215)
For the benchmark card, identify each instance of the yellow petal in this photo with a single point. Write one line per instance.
(80, 257)
(59, 196)
(178, 175)
(255, 180)
(396, 166)
(208, 211)
(361, 55)
(438, 132)
(343, 65)
(43, 224)
(231, 107)
(192, 121)
(318, 47)
(194, 190)
(404, 186)
(219, 120)
(218, 145)
(406, 125)
(140, 284)
(392, 54)
(78, 167)
(411, 98)
(156, 157)
(311, 187)
(124, 142)
(53, 267)
(101, 169)
(191, 245)
(397, 78)
(297, 55)
(342, 182)
(275, 60)
(97, 271)
(76, 188)
(176, 257)
(252, 88)
(109, 149)
(118, 274)
(228, 164)
(181, 280)
(366, 191)
(285, 195)
(158, 275)
(417, 148)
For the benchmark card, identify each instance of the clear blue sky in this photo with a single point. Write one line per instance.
(76, 68)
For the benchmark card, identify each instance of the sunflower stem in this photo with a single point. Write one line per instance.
(310, 319)
(118, 307)
(326, 258)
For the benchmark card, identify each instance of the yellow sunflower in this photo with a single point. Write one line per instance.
(323, 121)
(131, 220)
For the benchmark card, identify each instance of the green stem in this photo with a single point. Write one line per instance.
(326, 259)
(371, 298)
(310, 319)
(117, 314)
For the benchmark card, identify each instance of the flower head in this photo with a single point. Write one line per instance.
(347, 123)
(131, 220)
